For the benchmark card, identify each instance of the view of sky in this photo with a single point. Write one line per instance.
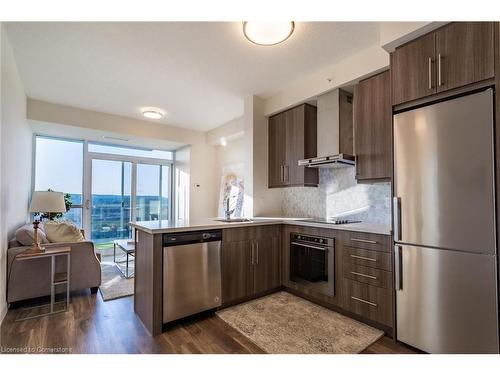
(59, 166)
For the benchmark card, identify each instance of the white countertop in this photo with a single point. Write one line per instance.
(165, 226)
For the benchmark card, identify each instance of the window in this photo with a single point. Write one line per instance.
(119, 184)
(59, 167)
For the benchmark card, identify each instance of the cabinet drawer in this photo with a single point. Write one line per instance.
(251, 232)
(369, 241)
(368, 258)
(369, 301)
(368, 275)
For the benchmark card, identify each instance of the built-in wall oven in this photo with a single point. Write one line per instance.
(312, 262)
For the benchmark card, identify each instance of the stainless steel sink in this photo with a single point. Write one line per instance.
(235, 220)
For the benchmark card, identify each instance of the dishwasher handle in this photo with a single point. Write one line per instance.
(186, 238)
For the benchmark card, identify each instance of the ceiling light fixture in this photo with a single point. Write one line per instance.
(152, 114)
(268, 33)
(223, 141)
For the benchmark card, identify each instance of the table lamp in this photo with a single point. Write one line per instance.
(45, 202)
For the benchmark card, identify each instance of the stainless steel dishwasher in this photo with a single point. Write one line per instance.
(191, 273)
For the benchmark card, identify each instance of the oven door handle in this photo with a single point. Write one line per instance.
(310, 246)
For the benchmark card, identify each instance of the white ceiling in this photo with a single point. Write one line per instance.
(199, 72)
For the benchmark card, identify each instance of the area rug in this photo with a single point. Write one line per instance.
(113, 284)
(282, 323)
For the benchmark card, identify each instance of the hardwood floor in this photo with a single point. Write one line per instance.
(95, 326)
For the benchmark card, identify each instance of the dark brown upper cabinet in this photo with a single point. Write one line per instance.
(277, 149)
(372, 128)
(464, 53)
(453, 56)
(412, 72)
(292, 137)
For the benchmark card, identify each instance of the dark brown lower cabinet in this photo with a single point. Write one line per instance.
(237, 273)
(267, 260)
(368, 301)
(367, 286)
(368, 275)
(250, 262)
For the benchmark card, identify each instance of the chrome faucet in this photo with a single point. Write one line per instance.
(228, 212)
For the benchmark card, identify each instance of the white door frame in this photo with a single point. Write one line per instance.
(87, 178)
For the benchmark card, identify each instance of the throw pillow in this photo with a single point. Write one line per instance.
(62, 231)
(25, 235)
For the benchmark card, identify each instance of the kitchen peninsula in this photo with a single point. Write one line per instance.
(253, 259)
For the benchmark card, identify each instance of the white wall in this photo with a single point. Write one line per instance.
(249, 145)
(259, 199)
(230, 131)
(201, 158)
(16, 147)
(183, 183)
(347, 71)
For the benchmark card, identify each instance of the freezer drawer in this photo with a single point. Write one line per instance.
(191, 279)
(446, 301)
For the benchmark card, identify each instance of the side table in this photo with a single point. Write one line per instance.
(128, 247)
(56, 278)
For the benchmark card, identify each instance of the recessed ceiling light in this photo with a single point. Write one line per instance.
(152, 114)
(268, 33)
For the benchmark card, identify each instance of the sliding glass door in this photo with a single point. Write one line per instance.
(152, 192)
(122, 191)
(110, 201)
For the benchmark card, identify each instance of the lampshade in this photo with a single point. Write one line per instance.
(47, 201)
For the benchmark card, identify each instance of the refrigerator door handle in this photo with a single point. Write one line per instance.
(398, 266)
(396, 211)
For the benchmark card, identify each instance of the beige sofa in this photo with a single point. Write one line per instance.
(31, 278)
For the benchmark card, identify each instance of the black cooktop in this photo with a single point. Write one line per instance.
(332, 221)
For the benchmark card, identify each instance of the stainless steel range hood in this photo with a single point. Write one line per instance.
(332, 161)
(335, 132)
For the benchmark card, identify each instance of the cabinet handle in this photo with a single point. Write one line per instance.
(398, 265)
(396, 209)
(364, 301)
(363, 275)
(439, 70)
(282, 174)
(430, 73)
(286, 173)
(309, 246)
(251, 253)
(364, 258)
(257, 251)
(364, 241)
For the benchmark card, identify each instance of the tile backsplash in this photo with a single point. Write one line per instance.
(338, 195)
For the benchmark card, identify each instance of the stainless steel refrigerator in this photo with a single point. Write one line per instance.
(444, 226)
